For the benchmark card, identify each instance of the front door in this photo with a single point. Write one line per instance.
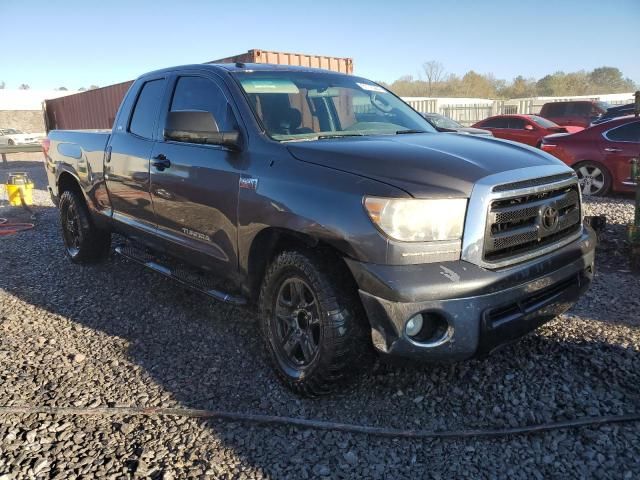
(194, 187)
(127, 166)
(619, 146)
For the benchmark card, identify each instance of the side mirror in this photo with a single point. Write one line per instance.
(197, 126)
(528, 127)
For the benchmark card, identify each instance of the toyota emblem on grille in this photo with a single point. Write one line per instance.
(550, 218)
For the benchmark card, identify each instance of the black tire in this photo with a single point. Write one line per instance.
(340, 333)
(11, 143)
(83, 241)
(594, 178)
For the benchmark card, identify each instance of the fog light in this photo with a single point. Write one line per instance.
(414, 325)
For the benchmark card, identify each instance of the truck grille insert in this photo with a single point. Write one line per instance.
(522, 224)
(534, 182)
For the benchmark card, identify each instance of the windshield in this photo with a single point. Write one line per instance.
(543, 122)
(11, 131)
(309, 106)
(441, 121)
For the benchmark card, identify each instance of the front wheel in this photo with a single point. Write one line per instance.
(83, 241)
(594, 179)
(315, 331)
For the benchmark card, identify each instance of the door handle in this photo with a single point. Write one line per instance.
(161, 162)
(612, 150)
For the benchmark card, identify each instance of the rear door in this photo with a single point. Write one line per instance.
(195, 198)
(619, 146)
(127, 166)
(497, 126)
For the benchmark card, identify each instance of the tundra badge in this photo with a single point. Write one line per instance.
(249, 183)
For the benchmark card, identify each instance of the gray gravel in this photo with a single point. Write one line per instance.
(118, 335)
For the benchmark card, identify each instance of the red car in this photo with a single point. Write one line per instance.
(574, 112)
(529, 129)
(600, 155)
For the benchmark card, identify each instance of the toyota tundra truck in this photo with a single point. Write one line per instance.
(331, 208)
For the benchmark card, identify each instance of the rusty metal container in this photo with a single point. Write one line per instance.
(337, 64)
(96, 109)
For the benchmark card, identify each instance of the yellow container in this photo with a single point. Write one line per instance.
(19, 189)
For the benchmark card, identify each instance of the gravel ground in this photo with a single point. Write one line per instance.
(118, 335)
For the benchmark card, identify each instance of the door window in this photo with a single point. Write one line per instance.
(495, 123)
(579, 108)
(199, 93)
(626, 133)
(145, 111)
(554, 109)
(516, 123)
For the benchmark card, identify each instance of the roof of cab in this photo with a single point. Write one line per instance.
(243, 67)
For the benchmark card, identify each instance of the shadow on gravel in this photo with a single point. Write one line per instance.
(25, 166)
(210, 356)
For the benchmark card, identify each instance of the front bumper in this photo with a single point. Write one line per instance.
(483, 309)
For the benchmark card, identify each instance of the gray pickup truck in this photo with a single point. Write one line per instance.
(334, 208)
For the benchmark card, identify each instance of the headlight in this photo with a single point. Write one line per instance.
(416, 220)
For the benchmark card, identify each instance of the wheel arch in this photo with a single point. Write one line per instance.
(67, 181)
(272, 240)
(576, 165)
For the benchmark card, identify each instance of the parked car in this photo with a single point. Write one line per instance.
(529, 129)
(446, 124)
(577, 113)
(352, 230)
(18, 137)
(600, 155)
(615, 112)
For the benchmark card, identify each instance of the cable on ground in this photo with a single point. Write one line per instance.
(322, 424)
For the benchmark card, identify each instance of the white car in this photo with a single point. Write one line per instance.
(11, 136)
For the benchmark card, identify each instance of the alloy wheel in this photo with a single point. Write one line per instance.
(296, 324)
(71, 230)
(591, 179)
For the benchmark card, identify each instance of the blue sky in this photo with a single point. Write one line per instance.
(50, 43)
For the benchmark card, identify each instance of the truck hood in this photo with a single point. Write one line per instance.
(424, 165)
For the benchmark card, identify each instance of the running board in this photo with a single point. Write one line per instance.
(181, 275)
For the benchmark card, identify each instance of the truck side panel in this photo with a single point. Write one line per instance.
(79, 155)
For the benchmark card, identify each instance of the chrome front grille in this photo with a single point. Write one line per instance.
(505, 221)
(520, 224)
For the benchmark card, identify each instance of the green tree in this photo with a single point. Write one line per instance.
(520, 87)
(476, 85)
(24, 86)
(610, 80)
(2, 85)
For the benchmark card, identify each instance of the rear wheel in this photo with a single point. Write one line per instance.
(315, 331)
(594, 179)
(83, 241)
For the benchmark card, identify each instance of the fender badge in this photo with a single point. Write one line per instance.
(249, 183)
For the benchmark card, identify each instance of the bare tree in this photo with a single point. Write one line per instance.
(24, 86)
(434, 71)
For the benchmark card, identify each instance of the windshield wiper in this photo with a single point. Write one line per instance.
(337, 135)
(402, 132)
